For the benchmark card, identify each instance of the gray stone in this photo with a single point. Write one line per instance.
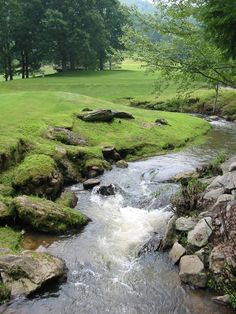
(185, 224)
(151, 245)
(232, 167)
(199, 236)
(214, 118)
(65, 136)
(25, 273)
(203, 254)
(161, 122)
(103, 115)
(91, 183)
(226, 165)
(224, 299)
(217, 260)
(212, 195)
(176, 252)
(225, 198)
(122, 164)
(170, 234)
(192, 271)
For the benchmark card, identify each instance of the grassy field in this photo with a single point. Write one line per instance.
(28, 107)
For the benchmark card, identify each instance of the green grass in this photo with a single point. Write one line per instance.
(10, 239)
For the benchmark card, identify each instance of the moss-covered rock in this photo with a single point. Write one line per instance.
(46, 216)
(10, 240)
(6, 190)
(38, 175)
(68, 199)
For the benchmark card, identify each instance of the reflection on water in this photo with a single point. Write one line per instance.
(105, 275)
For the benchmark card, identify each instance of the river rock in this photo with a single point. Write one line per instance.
(107, 190)
(68, 199)
(199, 236)
(185, 224)
(224, 198)
(212, 195)
(46, 216)
(214, 118)
(94, 171)
(176, 252)
(217, 260)
(224, 299)
(192, 271)
(203, 254)
(110, 154)
(184, 176)
(122, 115)
(122, 164)
(152, 245)
(25, 273)
(65, 136)
(91, 183)
(170, 234)
(232, 167)
(103, 115)
(226, 166)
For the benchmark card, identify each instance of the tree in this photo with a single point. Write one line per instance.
(219, 18)
(182, 53)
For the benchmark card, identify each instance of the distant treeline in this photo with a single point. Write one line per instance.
(71, 34)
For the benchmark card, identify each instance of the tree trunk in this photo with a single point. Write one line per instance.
(101, 64)
(26, 65)
(10, 70)
(216, 97)
(72, 63)
(63, 63)
(22, 65)
(110, 63)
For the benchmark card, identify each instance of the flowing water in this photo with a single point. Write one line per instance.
(105, 275)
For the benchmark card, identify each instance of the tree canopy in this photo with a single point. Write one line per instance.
(71, 34)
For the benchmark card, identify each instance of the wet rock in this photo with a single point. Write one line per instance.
(122, 115)
(94, 171)
(217, 260)
(176, 252)
(46, 216)
(152, 245)
(122, 164)
(25, 273)
(185, 224)
(90, 184)
(97, 116)
(161, 122)
(68, 199)
(107, 190)
(214, 118)
(65, 136)
(232, 167)
(224, 299)
(199, 236)
(192, 271)
(110, 154)
(170, 234)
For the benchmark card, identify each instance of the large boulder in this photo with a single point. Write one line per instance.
(107, 190)
(122, 115)
(103, 115)
(25, 273)
(192, 271)
(199, 236)
(210, 197)
(65, 136)
(68, 199)
(46, 216)
(170, 234)
(185, 224)
(226, 166)
(176, 252)
(122, 164)
(38, 175)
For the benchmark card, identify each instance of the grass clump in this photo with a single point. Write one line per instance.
(10, 239)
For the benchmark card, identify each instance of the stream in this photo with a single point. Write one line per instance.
(104, 273)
